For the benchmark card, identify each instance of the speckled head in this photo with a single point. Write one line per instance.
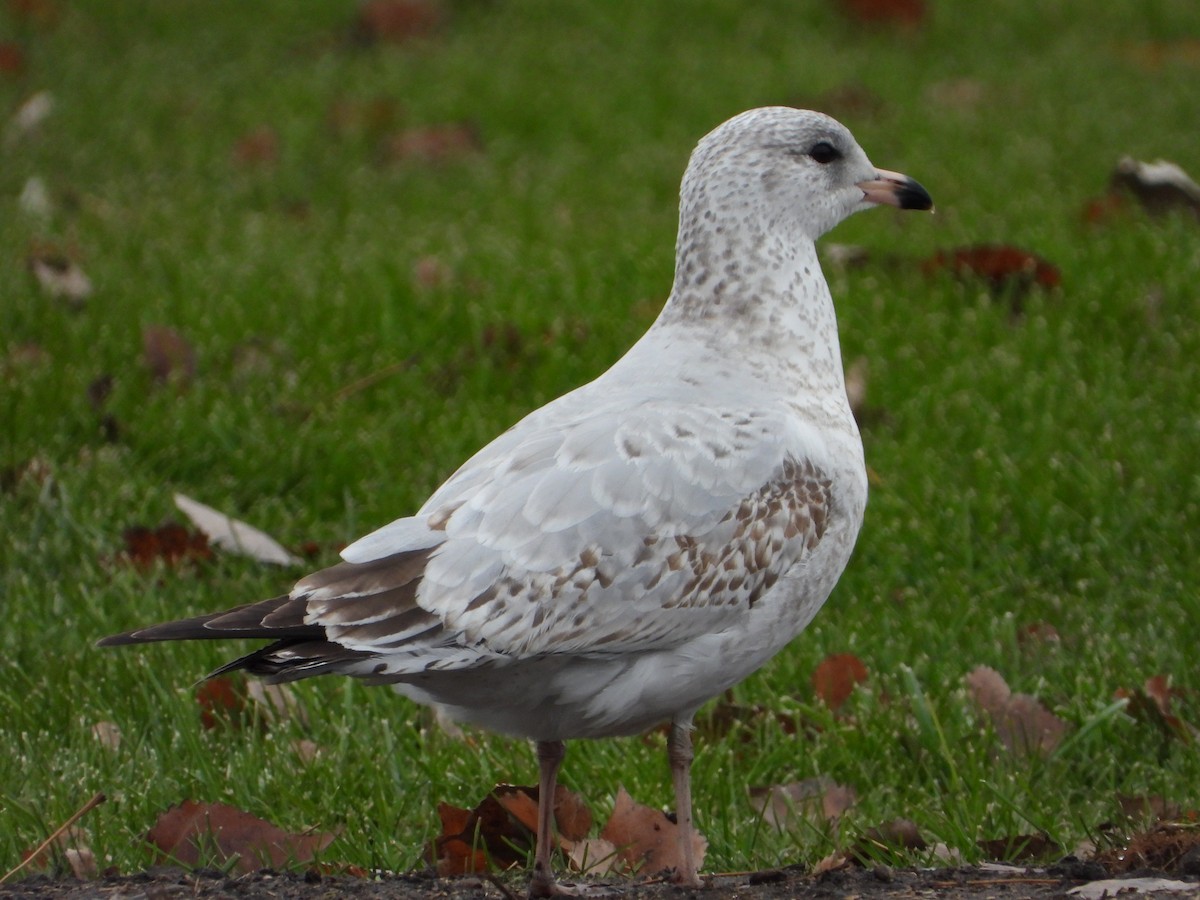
(781, 169)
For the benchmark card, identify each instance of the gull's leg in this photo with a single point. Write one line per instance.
(550, 756)
(679, 752)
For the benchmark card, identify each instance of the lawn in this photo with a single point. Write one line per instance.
(366, 303)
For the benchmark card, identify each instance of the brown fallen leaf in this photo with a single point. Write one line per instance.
(903, 13)
(1153, 55)
(1037, 636)
(42, 14)
(1002, 266)
(259, 147)
(836, 676)
(370, 119)
(194, 834)
(168, 355)
(885, 840)
(472, 840)
(222, 702)
(434, 144)
(12, 59)
(170, 544)
(1153, 703)
(646, 840)
(1022, 723)
(816, 800)
(396, 21)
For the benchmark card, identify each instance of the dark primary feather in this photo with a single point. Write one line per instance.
(377, 597)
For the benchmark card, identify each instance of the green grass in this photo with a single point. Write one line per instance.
(1041, 469)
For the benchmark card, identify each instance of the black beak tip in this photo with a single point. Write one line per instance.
(912, 195)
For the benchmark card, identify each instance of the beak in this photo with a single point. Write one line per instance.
(895, 189)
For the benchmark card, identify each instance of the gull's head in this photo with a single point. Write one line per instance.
(793, 169)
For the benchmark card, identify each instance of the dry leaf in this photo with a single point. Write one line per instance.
(434, 143)
(12, 59)
(60, 276)
(396, 21)
(817, 800)
(1153, 55)
(1003, 267)
(836, 676)
(1038, 635)
(307, 750)
(256, 148)
(1152, 703)
(168, 355)
(195, 833)
(108, 734)
(471, 838)
(230, 534)
(170, 543)
(905, 13)
(595, 856)
(646, 840)
(42, 14)
(895, 835)
(1023, 725)
(222, 701)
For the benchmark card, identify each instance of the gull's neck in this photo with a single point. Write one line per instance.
(756, 293)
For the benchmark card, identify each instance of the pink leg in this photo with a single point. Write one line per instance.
(550, 756)
(679, 752)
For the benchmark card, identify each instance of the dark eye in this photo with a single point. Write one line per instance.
(824, 152)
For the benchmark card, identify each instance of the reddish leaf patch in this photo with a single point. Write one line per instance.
(12, 59)
(645, 839)
(195, 833)
(1003, 267)
(836, 676)
(168, 355)
(905, 13)
(396, 21)
(434, 144)
(259, 147)
(170, 543)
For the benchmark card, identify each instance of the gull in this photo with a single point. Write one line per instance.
(634, 548)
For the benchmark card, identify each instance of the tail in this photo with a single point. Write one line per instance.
(298, 649)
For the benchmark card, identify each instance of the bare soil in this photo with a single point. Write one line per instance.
(879, 883)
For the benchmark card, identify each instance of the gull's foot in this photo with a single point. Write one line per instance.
(543, 884)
